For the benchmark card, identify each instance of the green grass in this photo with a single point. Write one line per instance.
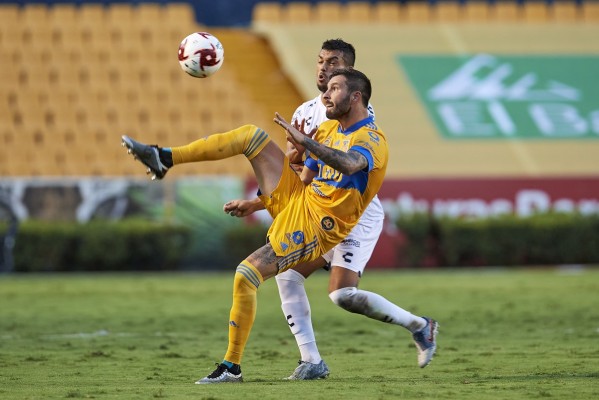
(504, 335)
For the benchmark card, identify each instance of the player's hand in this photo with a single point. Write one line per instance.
(295, 153)
(239, 208)
(293, 135)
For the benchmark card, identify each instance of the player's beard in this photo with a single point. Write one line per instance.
(339, 109)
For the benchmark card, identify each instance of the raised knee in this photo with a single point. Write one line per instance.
(345, 298)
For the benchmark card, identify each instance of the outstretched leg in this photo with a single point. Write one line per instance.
(266, 157)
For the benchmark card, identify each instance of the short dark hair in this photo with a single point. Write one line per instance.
(356, 82)
(349, 52)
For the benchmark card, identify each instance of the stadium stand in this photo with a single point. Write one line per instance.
(451, 29)
(74, 77)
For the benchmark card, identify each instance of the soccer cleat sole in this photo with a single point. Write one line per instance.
(128, 143)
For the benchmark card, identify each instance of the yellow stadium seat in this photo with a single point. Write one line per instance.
(327, 12)
(120, 14)
(180, 13)
(476, 11)
(535, 11)
(386, 12)
(36, 13)
(357, 12)
(9, 15)
(298, 12)
(565, 11)
(267, 12)
(448, 11)
(92, 14)
(63, 13)
(590, 11)
(417, 12)
(148, 13)
(504, 11)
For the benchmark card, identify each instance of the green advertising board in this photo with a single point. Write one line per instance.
(507, 96)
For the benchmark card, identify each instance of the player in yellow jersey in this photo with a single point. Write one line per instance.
(346, 169)
(347, 260)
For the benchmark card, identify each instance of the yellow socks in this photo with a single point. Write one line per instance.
(247, 140)
(243, 311)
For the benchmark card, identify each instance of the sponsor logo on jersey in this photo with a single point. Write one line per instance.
(351, 242)
(327, 223)
(319, 192)
(374, 137)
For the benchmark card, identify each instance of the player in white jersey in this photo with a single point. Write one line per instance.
(348, 259)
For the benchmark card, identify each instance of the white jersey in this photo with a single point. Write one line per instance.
(313, 112)
(355, 250)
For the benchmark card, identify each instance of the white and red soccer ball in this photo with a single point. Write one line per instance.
(201, 54)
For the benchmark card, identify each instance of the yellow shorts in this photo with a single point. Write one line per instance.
(295, 234)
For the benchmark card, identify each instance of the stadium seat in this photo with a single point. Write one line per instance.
(386, 12)
(9, 13)
(505, 11)
(298, 12)
(92, 13)
(590, 11)
(147, 14)
(476, 11)
(564, 11)
(357, 12)
(9, 25)
(63, 13)
(120, 14)
(179, 13)
(267, 12)
(35, 13)
(448, 11)
(327, 12)
(417, 12)
(535, 11)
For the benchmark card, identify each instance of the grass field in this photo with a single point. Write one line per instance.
(504, 335)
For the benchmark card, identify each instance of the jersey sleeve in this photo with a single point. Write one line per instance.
(367, 142)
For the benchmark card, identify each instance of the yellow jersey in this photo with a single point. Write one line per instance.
(343, 198)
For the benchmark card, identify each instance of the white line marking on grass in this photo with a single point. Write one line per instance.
(86, 335)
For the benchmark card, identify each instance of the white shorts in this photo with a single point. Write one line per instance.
(355, 250)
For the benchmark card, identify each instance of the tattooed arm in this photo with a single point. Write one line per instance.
(346, 163)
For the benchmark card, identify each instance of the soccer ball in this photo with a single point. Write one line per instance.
(201, 54)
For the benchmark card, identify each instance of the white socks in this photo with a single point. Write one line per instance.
(376, 307)
(296, 307)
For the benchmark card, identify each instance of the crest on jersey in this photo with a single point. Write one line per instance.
(327, 223)
(297, 237)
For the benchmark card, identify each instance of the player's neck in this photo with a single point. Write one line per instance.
(353, 117)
